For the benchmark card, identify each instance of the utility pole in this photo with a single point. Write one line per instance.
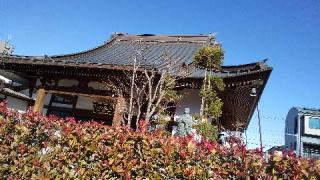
(259, 124)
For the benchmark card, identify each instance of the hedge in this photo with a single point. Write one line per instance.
(39, 147)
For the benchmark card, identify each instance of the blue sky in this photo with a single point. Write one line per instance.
(285, 32)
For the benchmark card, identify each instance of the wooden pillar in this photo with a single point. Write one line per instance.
(38, 105)
(117, 116)
(31, 87)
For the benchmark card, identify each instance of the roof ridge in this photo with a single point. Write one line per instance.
(118, 37)
(307, 109)
(167, 38)
(205, 39)
(108, 42)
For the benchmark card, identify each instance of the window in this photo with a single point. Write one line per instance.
(296, 125)
(311, 150)
(314, 123)
(57, 100)
(63, 99)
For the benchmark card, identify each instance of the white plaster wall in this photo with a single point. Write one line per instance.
(46, 101)
(97, 85)
(25, 92)
(190, 99)
(68, 82)
(84, 103)
(38, 82)
(308, 130)
(44, 111)
(34, 96)
(17, 104)
(4, 79)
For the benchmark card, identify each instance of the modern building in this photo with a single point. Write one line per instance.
(302, 132)
(75, 84)
(6, 48)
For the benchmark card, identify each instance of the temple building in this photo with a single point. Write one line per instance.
(75, 84)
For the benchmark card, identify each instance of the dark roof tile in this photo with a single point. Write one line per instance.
(12, 93)
(119, 50)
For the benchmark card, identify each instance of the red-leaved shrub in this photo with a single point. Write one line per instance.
(39, 147)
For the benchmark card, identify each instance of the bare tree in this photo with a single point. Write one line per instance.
(161, 83)
(148, 83)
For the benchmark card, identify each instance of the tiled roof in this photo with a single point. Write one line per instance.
(117, 52)
(121, 48)
(231, 71)
(12, 93)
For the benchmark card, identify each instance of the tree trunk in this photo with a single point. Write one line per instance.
(208, 89)
(149, 94)
(138, 117)
(156, 96)
(202, 99)
(130, 113)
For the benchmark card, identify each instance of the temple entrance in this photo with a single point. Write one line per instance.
(84, 107)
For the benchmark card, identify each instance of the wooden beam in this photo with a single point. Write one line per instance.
(78, 94)
(119, 107)
(40, 100)
(118, 111)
